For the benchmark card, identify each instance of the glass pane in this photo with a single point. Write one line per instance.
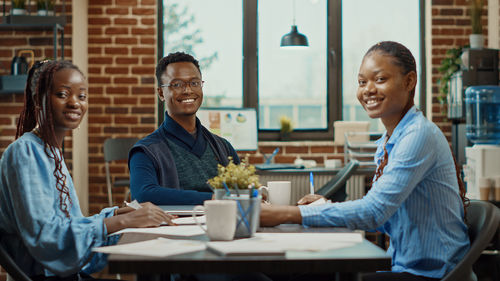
(292, 82)
(211, 31)
(360, 31)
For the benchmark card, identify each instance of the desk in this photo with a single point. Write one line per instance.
(362, 257)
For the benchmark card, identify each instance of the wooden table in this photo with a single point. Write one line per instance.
(362, 257)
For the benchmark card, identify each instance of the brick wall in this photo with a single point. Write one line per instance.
(122, 96)
(450, 29)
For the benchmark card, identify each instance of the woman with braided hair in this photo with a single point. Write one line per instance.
(41, 225)
(417, 197)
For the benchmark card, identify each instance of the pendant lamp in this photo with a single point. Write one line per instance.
(294, 38)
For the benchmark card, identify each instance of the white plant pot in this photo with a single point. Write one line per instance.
(42, 12)
(17, 11)
(476, 41)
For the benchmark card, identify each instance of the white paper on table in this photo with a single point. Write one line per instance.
(280, 243)
(173, 230)
(190, 220)
(159, 247)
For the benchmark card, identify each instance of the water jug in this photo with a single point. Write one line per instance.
(482, 114)
(19, 63)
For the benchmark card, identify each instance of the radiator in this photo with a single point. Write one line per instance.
(355, 187)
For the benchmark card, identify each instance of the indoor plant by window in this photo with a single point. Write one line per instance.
(476, 38)
(45, 7)
(18, 7)
(286, 128)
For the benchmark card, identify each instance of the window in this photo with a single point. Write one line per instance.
(402, 27)
(237, 43)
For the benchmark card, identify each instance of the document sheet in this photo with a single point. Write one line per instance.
(159, 247)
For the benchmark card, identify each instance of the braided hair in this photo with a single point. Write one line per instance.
(37, 114)
(402, 57)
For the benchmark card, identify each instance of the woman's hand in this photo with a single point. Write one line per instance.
(147, 216)
(309, 198)
(272, 215)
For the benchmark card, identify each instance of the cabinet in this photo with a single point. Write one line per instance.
(12, 84)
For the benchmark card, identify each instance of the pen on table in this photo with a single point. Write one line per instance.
(311, 183)
(134, 204)
(270, 158)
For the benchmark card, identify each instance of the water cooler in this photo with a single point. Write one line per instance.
(479, 67)
(482, 171)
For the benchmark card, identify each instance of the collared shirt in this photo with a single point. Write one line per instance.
(416, 201)
(34, 230)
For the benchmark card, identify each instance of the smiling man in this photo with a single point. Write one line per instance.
(171, 166)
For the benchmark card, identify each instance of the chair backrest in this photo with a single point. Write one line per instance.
(334, 189)
(117, 148)
(11, 267)
(483, 219)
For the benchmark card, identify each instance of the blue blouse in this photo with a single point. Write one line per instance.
(416, 201)
(34, 230)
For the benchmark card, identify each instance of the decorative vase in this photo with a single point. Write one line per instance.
(17, 11)
(476, 41)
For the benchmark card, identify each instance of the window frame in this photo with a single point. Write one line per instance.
(334, 68)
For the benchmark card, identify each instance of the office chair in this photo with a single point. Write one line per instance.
(334, 189)
(116, 149)
(484, 220)
(11, 267)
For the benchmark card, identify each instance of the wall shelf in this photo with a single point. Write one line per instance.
(15, 84)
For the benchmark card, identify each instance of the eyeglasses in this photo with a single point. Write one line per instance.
(181, 85)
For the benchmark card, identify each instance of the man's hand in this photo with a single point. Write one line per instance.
(272, 215)
(309, 198)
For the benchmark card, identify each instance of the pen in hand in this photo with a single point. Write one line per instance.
(311, 183)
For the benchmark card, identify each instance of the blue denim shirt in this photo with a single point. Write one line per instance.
(34, 230)
(416, 201)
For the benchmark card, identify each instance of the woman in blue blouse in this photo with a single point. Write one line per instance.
(417, 197)
(41, 225)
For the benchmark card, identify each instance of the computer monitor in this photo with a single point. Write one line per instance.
(237, 125)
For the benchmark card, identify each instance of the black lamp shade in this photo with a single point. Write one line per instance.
(294, 38)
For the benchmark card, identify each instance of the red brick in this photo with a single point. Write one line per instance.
(100, 60)
(116, 70)
(116, 130)
(143, 31)
(116, 31)
(94, 11)
(148, 21)
(99, 2)
(117, 90)
(126, 2)
(148, 100)
(99, 21)
(296, 149)
(143, 51)
(116, 51)
(125, 80)
(125, 100)
(148, 40)
(143, 70)
(120, 60)
(104, 40)
(99, 80)
(322, 149)
(116, 110)
(117, 11)
(143, 11)
(127, 41)
(125, 21)
(148, 2)
(126, 120)
(148, 60)
(142, 130)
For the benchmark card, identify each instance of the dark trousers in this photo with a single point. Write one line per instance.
(396, 276)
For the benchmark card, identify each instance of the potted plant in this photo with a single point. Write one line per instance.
(476, 38)
(236, 177)
(286, 128)
(45, 7)
(449, 65)
(18, 7)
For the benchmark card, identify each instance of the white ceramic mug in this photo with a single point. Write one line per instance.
(220, 219)
(278, 192)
